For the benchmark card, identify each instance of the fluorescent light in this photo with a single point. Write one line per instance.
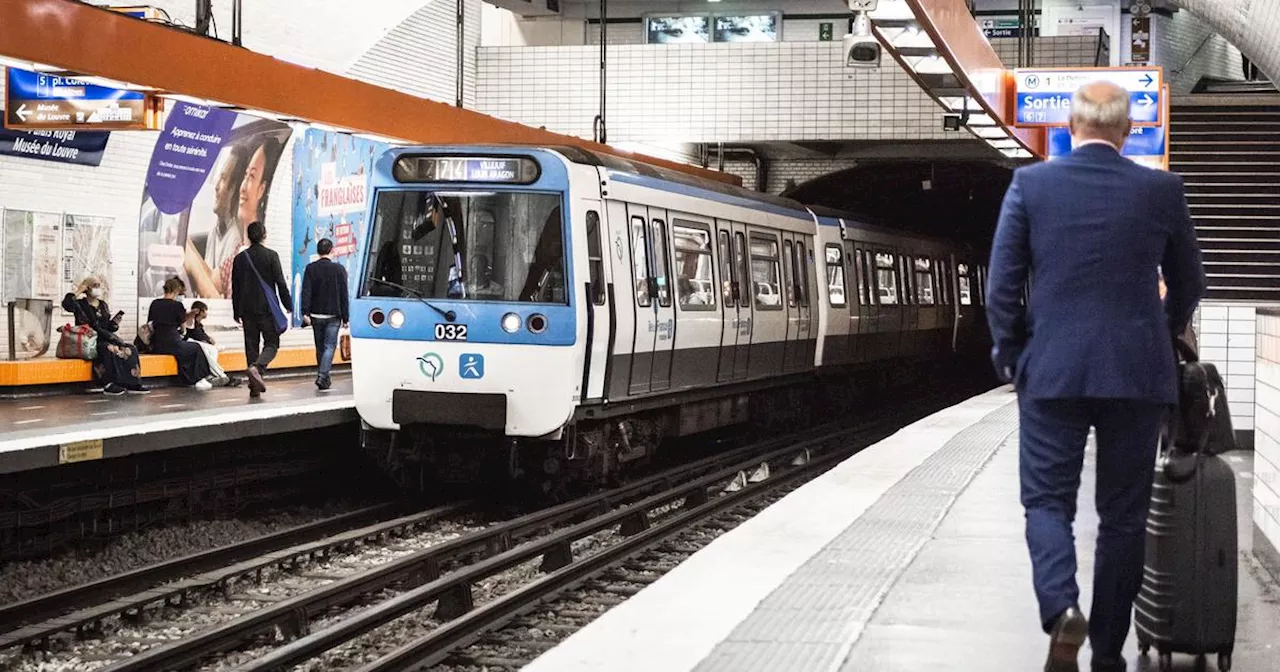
(193, 100)
(928, 65)
(892, 10)
(1006, 143)
(1016, 153)
(989, 132)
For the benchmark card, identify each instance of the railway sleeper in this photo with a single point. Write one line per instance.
(456, 601)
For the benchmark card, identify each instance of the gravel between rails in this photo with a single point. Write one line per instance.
(121, 638)
(30, 578)
(519, 642)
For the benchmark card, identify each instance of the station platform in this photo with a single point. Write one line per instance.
(47, 431)
(907, 556)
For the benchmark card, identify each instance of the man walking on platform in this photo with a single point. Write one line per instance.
(256, 281)
(324, 307)
(1092, 347)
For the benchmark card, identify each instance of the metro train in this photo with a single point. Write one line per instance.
(569, 310)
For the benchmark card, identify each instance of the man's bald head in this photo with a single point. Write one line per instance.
(1100, 111)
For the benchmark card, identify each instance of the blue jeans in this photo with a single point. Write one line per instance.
(1053, 436)
(325, 330)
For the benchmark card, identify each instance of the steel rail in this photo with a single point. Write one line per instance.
(555, 550)
(424, 567)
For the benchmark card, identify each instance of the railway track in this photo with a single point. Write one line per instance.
(413, 588)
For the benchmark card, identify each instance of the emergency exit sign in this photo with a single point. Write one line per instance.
(826, 30)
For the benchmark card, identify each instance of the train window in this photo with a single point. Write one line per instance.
(744, 272)
(695, 286)
(595, 257)
(661, 262)
(944, 281)
(835, 276)
(789, 271)
(962, 280)
(905, 292)
(886, 279)
(467, 246)
(727, 275)
(802, 275)
(640, 260)
(923, 281)
(981, 278)
(868, 276)
(859, 278)
(764, 273)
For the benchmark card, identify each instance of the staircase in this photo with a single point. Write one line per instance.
(1227, 150)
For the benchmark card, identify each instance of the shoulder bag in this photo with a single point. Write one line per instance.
(273, 303)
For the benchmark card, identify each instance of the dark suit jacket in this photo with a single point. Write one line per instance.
(247, 297)
(1088, 231)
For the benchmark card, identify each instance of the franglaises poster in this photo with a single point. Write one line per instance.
(210, 177)
(330, 197)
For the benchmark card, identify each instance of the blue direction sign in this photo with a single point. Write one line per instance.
(1043, 97)
(1146, 145)
(43, 101)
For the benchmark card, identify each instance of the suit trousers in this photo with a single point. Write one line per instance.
(1053, 433)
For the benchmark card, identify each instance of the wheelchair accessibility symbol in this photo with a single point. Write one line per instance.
(471, 366)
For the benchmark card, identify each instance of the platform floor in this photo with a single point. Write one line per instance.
(908, 556)
(36, 432)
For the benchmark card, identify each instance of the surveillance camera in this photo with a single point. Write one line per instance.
(861, 51)
(863, 5)
(951, 122)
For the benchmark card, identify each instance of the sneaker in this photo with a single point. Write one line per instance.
(203, 385)
(113, 390)
(256, 384)
(323, 384)
(254, 394)
(138, 389)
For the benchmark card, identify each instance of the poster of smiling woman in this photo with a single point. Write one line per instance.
(210, 177)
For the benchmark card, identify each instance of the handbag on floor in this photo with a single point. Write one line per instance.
(77, 342)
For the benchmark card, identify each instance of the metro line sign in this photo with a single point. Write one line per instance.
(39, 101)
(1042, 97)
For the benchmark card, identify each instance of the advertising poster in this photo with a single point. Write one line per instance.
(678, 29)
(32, 255)
(330, 197)
(747, 28)
(86, 250)
(210, 177)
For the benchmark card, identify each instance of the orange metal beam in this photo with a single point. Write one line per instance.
(961, 43)
(94, 41)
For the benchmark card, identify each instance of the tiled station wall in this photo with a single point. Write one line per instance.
(1175, 42)
(407, 45)
(1226, 335)
(1251, 25)
(721, 92)
(1266, 460)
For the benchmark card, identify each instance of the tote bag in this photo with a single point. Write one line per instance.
(277, 312)
(78, 342)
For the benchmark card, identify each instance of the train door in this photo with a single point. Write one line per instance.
(808, 320)
(665, 332)
(841, 286)
(623, 298)
(730, 288)
(769, 326)
(599, 307)
(964, 312)
(791, 336)
(746, 303)
(644, 290)
(699, 324)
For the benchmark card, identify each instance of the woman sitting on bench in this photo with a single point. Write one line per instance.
(116, 365)
(166, 316)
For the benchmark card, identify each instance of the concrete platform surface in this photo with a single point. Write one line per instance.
(908, 556)
(35, 432)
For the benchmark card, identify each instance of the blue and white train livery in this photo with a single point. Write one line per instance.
(578, 307)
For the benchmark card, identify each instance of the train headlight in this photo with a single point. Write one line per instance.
(511, 323)
(377, 317)
(395, 318)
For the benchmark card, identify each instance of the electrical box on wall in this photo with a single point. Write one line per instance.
(529, 7)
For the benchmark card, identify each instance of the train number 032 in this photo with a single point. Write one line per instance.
(451, 332)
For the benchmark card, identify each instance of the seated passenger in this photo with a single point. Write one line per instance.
(196, 334)
(167, 315)
(117, 366)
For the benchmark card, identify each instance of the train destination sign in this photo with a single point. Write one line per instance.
(513, 170)
(1043, 96)
(43, 101)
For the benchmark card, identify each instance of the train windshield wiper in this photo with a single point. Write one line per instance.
(448, 315)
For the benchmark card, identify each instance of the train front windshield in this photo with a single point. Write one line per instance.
(480, 246)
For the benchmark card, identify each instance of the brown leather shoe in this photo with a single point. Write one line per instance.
(1065, 639)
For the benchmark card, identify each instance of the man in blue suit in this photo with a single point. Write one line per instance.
(1092, 347)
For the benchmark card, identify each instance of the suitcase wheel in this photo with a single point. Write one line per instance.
(1224, 662)
(1144, 648)
(1166, 661)
(1202, 665)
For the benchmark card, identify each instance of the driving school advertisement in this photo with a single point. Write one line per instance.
(330, 197)
(210, 177)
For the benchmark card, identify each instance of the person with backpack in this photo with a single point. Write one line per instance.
(257, 281)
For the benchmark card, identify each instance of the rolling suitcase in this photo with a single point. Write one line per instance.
(1187, 603)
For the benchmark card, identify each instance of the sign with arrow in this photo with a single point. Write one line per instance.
(40, 101)
(1140, 40)
(1042, 97)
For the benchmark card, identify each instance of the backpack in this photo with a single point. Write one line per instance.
(143, 340)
